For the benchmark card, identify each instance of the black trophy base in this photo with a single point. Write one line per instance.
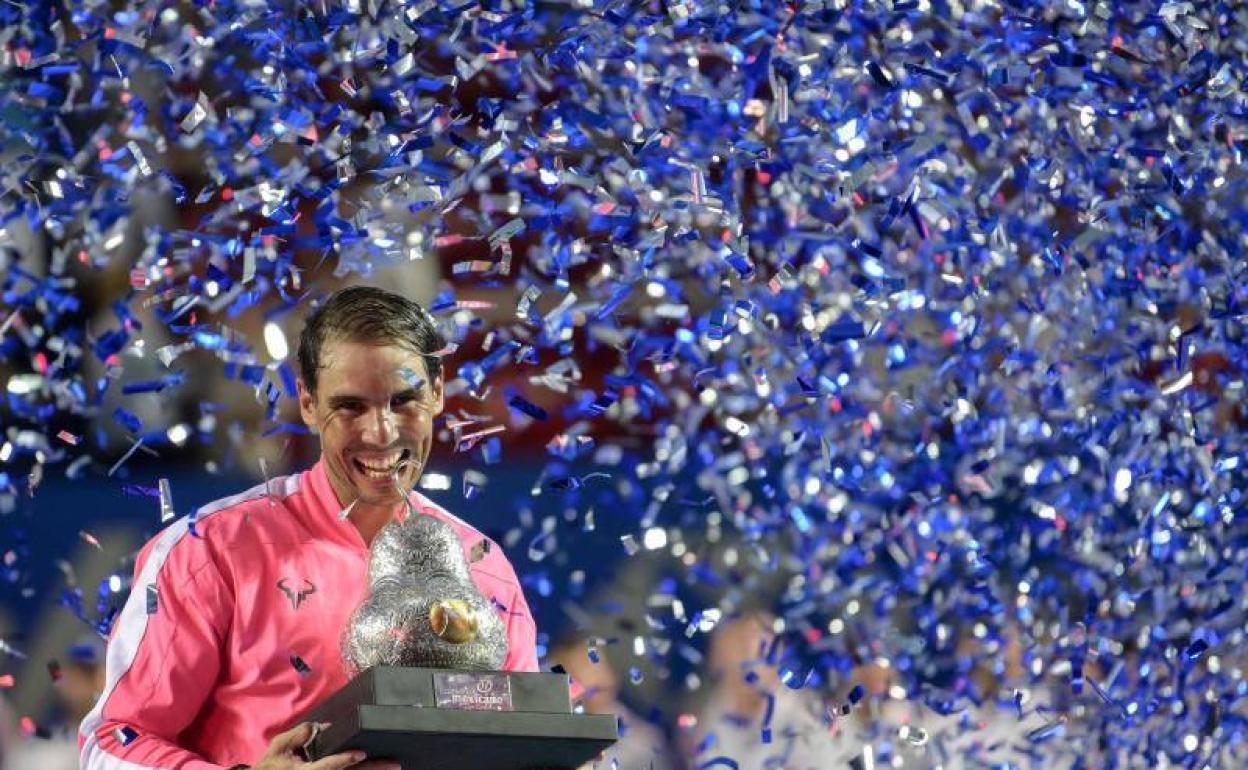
(439, 719)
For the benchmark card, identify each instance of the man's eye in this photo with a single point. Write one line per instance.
(351, 406)
(398, 401)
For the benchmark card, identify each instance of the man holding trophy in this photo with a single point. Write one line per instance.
(248, 614)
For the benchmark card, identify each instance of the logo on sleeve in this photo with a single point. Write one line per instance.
(296, 597)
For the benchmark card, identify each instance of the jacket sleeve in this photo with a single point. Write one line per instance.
(163, 659)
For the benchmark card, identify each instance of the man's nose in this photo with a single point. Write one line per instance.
(380, 428)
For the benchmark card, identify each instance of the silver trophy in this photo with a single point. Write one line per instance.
(423, 608)
(425, 650)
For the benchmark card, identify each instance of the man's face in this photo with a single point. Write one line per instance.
(374, 408)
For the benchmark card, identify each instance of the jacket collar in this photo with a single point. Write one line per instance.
(328, 508)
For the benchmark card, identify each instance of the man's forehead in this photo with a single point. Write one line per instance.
(337, 351)
(354, 361)
(372, 387)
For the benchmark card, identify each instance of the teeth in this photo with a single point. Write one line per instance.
(382, 466)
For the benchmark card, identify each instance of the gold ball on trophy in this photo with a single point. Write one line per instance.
(453, 621)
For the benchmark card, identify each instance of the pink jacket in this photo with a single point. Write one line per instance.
(228, 636)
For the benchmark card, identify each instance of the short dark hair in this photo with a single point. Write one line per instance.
(370, 315)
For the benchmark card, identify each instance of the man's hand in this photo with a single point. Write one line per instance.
(281, 755)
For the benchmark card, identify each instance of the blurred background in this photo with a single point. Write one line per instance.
(891, 354)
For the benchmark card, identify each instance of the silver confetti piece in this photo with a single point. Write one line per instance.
(197, 115)
(166, 501)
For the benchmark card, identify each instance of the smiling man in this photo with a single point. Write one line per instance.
(234, 621)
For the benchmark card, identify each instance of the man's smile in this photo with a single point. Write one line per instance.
(380, 466)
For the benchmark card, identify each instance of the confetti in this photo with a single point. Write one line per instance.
(134, 447)
(28, 727)
(479, 551)
(865, 760)
(474, 482)
(10, 650)
(167, 511)
(941, 306)
(1046, 732)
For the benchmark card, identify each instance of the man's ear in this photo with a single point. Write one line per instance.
(438, 400)
(307, 407)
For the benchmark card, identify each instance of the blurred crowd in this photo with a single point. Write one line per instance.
(77, 680)
(743, 712)
(745, 716)
(1000, 702)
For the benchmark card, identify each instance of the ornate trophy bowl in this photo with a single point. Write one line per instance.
(425, 649)
(423, 608)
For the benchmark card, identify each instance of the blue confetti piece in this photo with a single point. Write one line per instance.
(521, 404)
(128, 420)
(841, 331)
(1046, 732)
(767, 716)
(154, 386)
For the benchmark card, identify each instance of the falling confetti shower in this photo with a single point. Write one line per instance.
(939, 305)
